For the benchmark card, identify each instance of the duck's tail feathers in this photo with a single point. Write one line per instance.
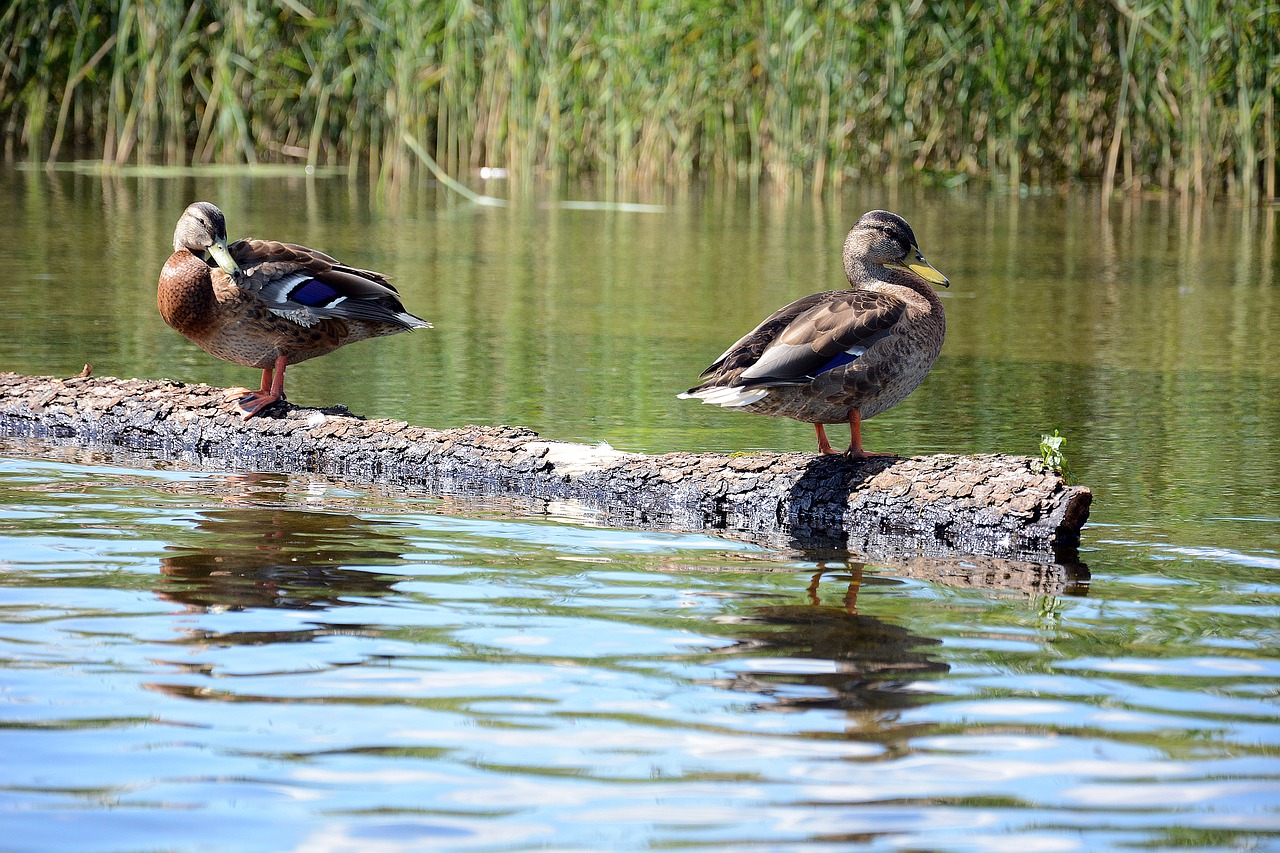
(726, 396)
(412, 322)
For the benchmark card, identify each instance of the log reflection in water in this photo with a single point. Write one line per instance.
(259, 555)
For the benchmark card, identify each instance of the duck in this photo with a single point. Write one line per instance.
(841, 356)
(266, 304)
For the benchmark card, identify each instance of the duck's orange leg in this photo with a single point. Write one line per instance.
(239, 391)
(272, 389)
(855, 450)
(824, 446)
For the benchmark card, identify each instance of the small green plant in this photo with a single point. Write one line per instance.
(1051, 456)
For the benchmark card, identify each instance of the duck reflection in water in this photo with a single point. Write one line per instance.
(876, 663)
(276, 557)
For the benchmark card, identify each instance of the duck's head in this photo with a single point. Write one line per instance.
(202, 230)
(884, 238)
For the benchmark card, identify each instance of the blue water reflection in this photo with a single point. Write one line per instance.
(266, 662)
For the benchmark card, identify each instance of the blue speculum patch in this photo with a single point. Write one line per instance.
(313, 293)
(840, 360)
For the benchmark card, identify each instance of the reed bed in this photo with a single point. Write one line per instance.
(1171, 95)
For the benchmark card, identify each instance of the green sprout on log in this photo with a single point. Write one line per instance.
(1051, 456)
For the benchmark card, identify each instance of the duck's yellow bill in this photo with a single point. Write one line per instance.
(222, 256)
(921, 267)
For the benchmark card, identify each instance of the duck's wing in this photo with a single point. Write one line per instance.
(836, 331)
(307, 286)
(747, 349)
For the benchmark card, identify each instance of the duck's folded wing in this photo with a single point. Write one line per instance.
(747, 349)
(834, 333)
(307, 286)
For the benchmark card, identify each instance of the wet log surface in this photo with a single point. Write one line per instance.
(993, 506)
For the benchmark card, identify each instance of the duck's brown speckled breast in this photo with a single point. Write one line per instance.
(185, 294)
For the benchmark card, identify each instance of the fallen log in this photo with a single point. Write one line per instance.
(944, 505)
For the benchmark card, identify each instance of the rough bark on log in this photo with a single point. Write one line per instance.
(944, 505)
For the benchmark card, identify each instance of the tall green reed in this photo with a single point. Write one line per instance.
(1146, 95)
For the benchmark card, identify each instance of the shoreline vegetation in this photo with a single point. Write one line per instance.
(1169, 96)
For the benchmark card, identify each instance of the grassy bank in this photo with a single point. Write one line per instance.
(1171, 94)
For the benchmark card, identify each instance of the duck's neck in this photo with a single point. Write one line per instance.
(185, 295)
(878, 278)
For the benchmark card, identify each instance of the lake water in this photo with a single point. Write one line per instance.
(196, 660)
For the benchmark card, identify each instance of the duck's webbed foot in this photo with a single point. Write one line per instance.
(235, 393)
(253, 402)
(824, 444)
(863, 454)
(855, 450)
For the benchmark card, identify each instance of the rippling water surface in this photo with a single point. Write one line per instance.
(195, 660)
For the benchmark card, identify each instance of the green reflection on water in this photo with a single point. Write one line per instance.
(1149, 338)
